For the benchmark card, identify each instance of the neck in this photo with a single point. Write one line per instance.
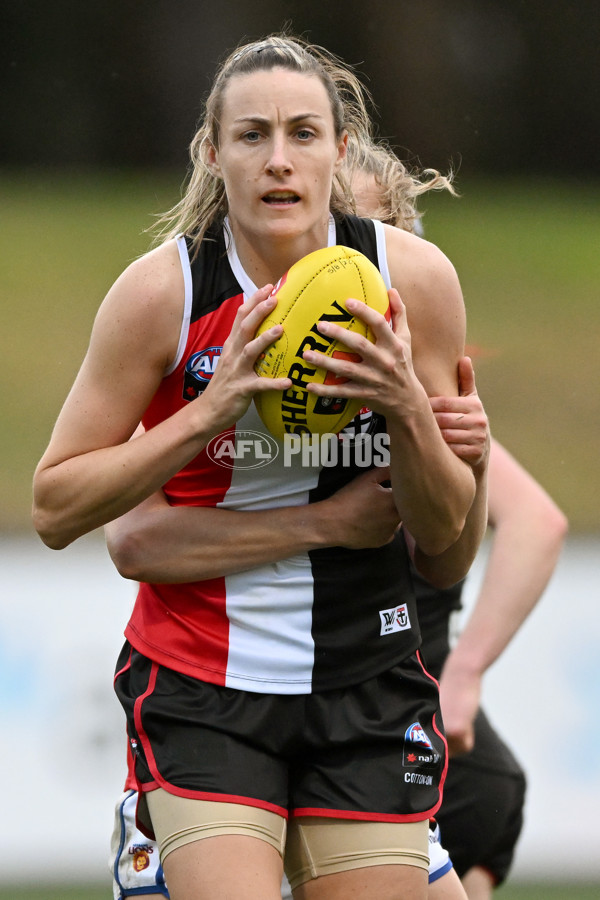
(265, 261)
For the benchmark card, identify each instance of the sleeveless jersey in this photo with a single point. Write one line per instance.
(322, 619)
(435, 607)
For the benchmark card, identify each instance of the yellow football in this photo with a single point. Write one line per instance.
(315, 289)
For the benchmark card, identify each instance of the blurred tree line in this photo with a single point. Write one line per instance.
(498, 86)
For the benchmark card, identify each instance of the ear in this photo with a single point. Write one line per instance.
(212, 160)
(342, 150)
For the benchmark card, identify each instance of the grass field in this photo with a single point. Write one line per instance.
(526, 253)
(545, 891)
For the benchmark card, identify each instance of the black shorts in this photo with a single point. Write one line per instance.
(482, 813)
(373, 751)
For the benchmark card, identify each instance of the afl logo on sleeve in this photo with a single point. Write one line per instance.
(199, 369)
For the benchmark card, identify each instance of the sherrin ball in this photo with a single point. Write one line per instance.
(315, 289)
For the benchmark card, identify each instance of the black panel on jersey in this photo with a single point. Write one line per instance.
(212, 282)
(359, 234)
(352, 587)
(435, 608)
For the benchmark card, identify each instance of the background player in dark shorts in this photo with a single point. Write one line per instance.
(482, 812)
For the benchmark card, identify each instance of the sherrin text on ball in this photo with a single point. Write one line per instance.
(315, 289)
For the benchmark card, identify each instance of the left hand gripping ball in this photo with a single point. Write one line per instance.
(315, 288)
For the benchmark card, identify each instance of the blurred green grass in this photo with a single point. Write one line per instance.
(527, 253)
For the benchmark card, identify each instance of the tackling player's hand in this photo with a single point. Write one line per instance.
(363, 513)
(462, 420)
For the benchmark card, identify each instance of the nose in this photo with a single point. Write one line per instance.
(278, 162)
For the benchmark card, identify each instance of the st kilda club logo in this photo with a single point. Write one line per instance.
(199, 369)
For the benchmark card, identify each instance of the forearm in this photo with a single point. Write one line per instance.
(182, 544)
(79, 494)
(523, 556)
(158, 543)
(447, 568)
(434, 489)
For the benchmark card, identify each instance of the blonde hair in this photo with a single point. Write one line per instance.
(204, 201)
(400, 187)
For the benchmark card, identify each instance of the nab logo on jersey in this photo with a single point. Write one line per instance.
(418, 749)
(199, 369)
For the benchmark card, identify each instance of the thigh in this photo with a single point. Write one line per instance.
(214, 850)
(320, 848)
(220, 868)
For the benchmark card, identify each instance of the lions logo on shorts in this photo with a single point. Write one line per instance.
(141, 859)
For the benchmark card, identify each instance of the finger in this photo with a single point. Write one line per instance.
(380, 324)
(397, 309)
(455, 419)
(259, 296)
(255, 348)
(466, 376)
(467, 452)
(264, 383)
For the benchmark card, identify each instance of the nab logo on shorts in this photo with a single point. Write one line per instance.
(199, 369)
(395, 619)
(418, 749)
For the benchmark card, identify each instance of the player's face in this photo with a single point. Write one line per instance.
(368, 196)
(278, 153)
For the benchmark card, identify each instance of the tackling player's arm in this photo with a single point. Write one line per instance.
(433, 487)
(464, 426)
(159, 543)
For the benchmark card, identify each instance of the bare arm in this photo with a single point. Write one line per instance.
(433, 488)
(464, 426)
(159, 543)
(91, 472)
(529, 531)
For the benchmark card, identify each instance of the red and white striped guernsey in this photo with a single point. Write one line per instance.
(319, 620)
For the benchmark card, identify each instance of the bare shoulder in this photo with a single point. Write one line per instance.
(430, 290)
(419, 269)
(133, 340)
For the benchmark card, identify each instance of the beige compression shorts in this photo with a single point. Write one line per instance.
(314, 846)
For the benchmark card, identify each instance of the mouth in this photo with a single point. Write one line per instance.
(280, 198)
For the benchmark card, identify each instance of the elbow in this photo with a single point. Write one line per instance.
(435, 544)
(50, 529)
(557, 528)
(126, 552)
(560, 524)
(440, 573)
